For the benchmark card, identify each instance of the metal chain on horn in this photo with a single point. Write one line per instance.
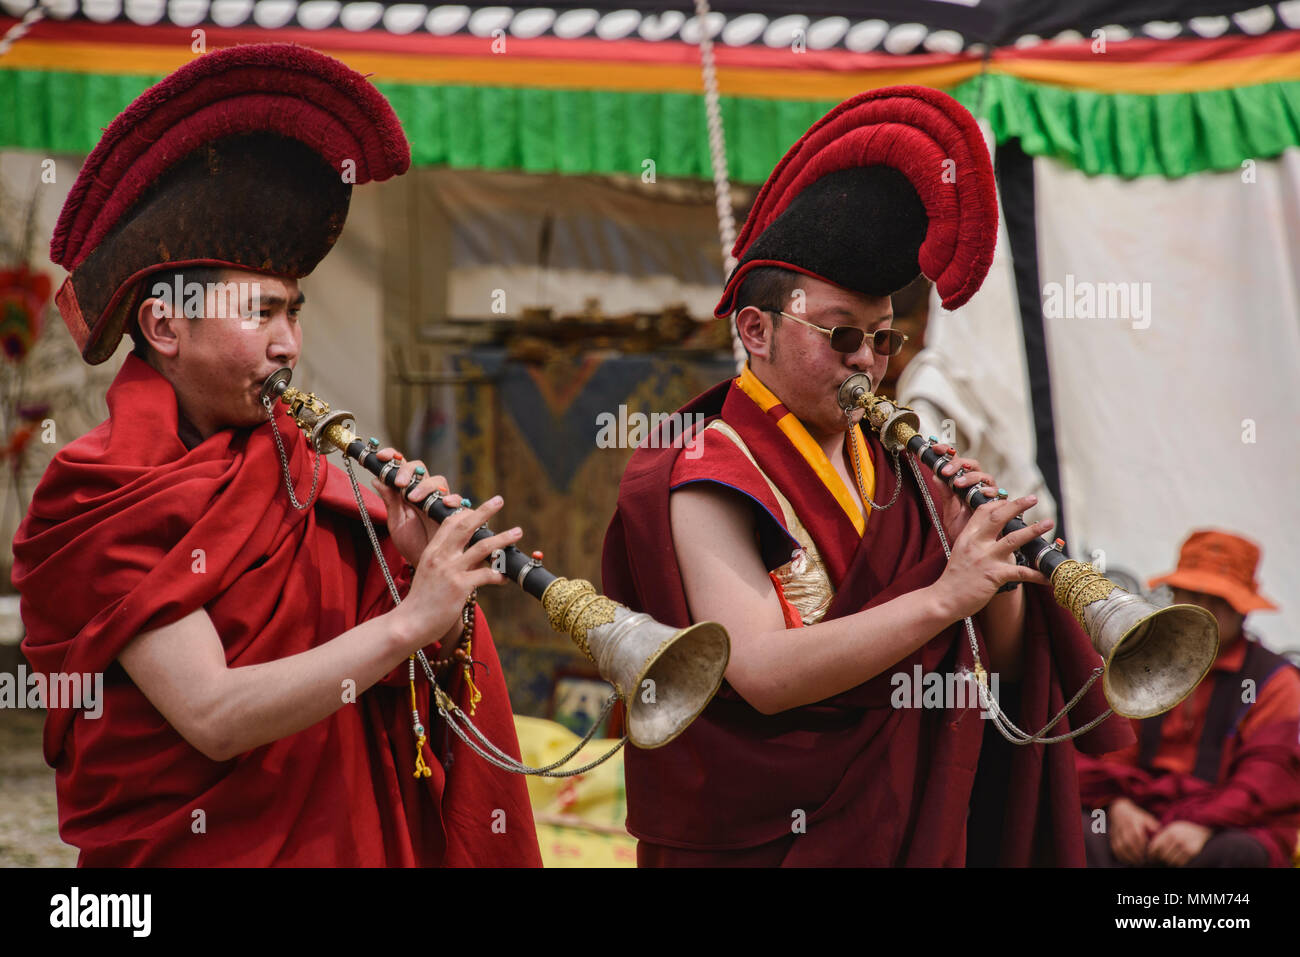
(990, 704)
(718, 160)
(448, 708)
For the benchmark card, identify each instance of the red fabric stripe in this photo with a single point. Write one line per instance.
(1147, 50)
(633, 49)
(419, 43)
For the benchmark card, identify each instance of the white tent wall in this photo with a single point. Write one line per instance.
(1187, 417)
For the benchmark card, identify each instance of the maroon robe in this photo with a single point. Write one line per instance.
(128, 531)
(877, 785)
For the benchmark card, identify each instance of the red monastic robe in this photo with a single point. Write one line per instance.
(876, 785)
(128, 531)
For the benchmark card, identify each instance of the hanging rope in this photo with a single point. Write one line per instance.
(16, 32)
(718, 159)
(19, 29)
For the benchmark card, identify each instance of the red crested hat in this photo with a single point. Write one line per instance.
(890, 184)
(243, 158)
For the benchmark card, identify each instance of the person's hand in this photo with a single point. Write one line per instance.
(447, 572)
(1130, 831)
(1178, 842)
(981, 563)
(953, 510)
(409, 527)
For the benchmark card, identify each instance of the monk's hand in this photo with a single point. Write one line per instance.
(409, 527)
(981, 562)
(1130, 832)
(448, 571)
(954, 511)
(1178, 842)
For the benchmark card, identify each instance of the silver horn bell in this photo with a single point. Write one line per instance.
(665, 676)
(1154, 656)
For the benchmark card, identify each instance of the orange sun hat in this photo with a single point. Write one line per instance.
(1219, 563)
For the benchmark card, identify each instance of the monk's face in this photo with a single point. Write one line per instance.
(218, 362)
(804, 371)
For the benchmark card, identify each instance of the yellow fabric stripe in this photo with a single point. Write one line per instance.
(533, 72)
(812, 453)
(1102, 75)
(1145, 78)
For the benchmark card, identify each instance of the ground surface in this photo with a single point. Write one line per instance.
(29, 829)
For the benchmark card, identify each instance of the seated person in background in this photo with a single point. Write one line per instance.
(1216, 781)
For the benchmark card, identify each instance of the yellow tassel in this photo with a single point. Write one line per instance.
(475, 696)
(421, 769)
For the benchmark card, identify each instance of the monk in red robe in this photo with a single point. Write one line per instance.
(193, 551)
(785, 522)
(1216, 781)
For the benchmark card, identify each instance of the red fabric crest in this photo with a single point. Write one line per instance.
(916, 130)
(296, 92)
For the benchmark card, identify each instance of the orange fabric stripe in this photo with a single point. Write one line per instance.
(1102, 73)
(1163, 77)
(150, 59)
(812, 453)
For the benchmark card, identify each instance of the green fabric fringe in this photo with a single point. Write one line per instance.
(612, 132)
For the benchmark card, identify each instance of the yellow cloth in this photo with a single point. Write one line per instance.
(579, 819)
(794, 430)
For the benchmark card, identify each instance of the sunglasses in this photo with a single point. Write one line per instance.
(884, 342)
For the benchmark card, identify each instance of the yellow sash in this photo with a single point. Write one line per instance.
(812, 452)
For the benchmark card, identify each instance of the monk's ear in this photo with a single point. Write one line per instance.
(156, 320)
(754, 326)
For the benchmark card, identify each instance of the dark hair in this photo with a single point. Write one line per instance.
(767, 288)
(200, 274)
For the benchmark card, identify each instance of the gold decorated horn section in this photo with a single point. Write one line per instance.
(666, 676)
(1154, 656)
